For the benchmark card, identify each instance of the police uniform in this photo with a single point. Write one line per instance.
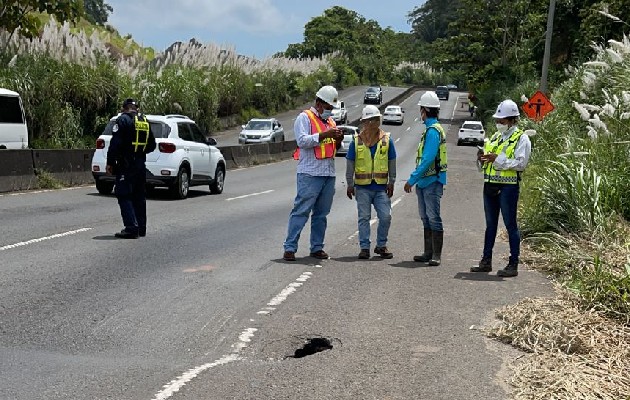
(132, 139)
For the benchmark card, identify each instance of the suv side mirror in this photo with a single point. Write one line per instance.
(211, 141)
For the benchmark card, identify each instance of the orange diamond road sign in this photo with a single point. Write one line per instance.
(538, 106)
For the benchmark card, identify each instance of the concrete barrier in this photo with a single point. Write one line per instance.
(16, 170)
(71, 167)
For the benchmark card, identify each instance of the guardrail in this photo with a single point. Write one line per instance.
(23, 169)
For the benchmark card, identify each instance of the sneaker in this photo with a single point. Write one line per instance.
(485, 265)
(511, 270)
(320, 254)
(364, 254)
(383, 252)
(125, 234)
(289, 256)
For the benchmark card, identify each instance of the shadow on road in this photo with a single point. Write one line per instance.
(106, 237)
(477, 276)
(411, 264)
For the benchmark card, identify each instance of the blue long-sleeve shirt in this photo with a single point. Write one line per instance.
(429, 153)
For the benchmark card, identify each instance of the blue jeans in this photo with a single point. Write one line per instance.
(506, 202)
(314, 194)
(429, 205)
(382, 204)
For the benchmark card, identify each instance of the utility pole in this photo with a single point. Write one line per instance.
(547, 56)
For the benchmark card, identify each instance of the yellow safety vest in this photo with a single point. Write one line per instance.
(441, 161)
(142, 133)
(368, 169)
(496, 145)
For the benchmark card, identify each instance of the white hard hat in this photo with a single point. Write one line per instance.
(507, 108)
(328, 94)
(429, 100)
(370, 111)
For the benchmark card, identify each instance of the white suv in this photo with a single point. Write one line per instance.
(183, 157)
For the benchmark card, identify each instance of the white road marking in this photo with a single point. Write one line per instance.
(397, 140)
(408, 129)
(244, 339)
(33, 241)
(373, 220)
(248, 195)
(44, 191)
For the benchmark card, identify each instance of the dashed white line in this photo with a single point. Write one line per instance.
(248, 195)
(244, 339)
(397, 140)
(33, 241)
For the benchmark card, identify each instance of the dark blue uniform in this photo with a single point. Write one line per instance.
(131, 140)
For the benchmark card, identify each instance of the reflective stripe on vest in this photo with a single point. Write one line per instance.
(441, 160)
(142, 133)
(327, 148)
(496, 145)
(368, 169)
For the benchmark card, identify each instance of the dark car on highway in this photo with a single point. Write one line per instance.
(442, 92)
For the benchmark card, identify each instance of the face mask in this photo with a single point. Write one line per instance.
(502, 128)
(326, 114)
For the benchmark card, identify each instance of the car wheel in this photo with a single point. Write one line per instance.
(219, 180)
(104, 187)
(459, 142)
(180, 189)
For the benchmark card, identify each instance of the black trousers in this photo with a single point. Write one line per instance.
(131, 193)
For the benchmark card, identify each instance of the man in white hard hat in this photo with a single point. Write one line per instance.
(429, 178)
(318, 139)
(371, 174)
(503, 158)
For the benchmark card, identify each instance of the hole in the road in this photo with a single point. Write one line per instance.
(312, 346)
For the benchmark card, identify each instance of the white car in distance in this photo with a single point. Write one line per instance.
(348, 136)
(393, 115)
(261, 130)
(471, 132)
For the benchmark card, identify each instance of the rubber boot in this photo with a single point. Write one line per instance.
(428, 247)
(438, 241)
(511, 270)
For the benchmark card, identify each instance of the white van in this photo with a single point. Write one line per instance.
(13, 132)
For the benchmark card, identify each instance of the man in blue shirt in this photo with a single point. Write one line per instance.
(371, 174)
(429, 177)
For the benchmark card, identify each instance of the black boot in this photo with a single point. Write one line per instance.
(438, 241)
(509, 271)
(428, 247)
(485, 265)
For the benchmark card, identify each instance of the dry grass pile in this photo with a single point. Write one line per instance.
(573, 354)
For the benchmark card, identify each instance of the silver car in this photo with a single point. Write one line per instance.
(261, 130)
(348, 136)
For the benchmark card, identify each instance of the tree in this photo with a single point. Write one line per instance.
(20, 14)
(97, 11)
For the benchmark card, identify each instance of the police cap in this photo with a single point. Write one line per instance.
(129, 102)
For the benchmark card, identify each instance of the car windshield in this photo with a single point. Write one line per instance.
(472, 126)
(372, 90)
(392, 109)
(442, 88)
(258, 125)
(159, 129)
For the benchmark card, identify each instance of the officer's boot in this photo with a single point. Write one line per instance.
(485, 265)
(438, 241)
(428, 247)
(510, 270)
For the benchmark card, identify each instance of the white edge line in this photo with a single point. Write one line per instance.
(248, 195)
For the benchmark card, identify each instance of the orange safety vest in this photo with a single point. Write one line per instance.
(327, 148)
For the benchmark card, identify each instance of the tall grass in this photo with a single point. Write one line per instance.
(71, 81)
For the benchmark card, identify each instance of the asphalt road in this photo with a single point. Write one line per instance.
(204, 307)
(353, 98)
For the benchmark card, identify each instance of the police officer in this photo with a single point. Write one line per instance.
(132, 139)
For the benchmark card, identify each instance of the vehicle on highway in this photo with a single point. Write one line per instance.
(13, 130)
(348, 136)
(184, 157)
(340, 113)
(261, 130)
(373, 94)
(394, 115)
(442, 92)
(471, 132)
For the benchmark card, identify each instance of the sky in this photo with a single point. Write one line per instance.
(255, 28)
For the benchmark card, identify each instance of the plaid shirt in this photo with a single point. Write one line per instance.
(308, 164)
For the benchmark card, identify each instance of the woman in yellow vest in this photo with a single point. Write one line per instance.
(429, 178)
(503, 159)
(370, 174)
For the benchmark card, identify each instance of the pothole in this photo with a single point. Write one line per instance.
(313, 346)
